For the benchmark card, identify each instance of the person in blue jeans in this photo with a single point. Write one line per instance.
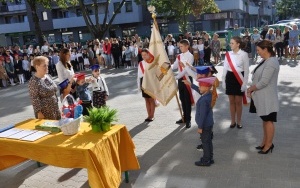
(205, 121)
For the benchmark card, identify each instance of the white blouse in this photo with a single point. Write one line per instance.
(241, 60)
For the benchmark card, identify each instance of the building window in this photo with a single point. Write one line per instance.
(163, 28)
(101, 8)
(128, 32)
(116, 6)
(44, 16)
(128, 5)
(78, 12)
(18, 2)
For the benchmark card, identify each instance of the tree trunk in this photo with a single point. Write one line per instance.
(37, 27)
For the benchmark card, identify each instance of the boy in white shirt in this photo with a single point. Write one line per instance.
(171, 49)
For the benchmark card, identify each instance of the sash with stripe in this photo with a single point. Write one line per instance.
(187, 87)
(238, 76)
(142, 67)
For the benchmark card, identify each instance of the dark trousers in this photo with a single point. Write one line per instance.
(117, 60)
(279, 48)
(86, 105)
(185, 99)
(206, 139)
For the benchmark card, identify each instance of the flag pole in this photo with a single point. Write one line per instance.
(152, 11)
(179, 108)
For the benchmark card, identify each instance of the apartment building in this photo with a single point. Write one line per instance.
(65, 25)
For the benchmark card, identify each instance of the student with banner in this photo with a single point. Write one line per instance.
(150, 102)
(235, 79)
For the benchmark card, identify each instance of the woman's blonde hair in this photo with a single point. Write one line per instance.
(38, 60)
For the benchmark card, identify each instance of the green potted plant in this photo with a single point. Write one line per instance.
(100, 119)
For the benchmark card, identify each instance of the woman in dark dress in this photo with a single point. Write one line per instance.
(207, 49)
(286, 37)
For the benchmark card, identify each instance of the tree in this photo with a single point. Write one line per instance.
(96, 29)
(180, 10)
(33, 4)
(286, 9)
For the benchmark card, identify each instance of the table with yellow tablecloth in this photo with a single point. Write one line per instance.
(104, 155)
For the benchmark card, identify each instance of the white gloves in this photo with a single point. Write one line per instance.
(243, 88)
(223, 84)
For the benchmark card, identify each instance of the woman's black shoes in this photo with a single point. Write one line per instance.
(149, 119)
(259, 147)
(266, 152)
(232, 125)
(239, 126)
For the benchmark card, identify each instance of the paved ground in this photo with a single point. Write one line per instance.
(166, 151)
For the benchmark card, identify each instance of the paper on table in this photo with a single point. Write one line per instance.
(6, 127)
(10, 132)
(35, 136)
(22, 134)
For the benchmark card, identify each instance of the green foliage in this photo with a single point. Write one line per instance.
(100, 117)
(180, 10)
(286, 9)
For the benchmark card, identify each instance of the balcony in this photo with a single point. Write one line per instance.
(230, 5)
(123, 18)
(253, 10)
(20, 7)
(14, 28)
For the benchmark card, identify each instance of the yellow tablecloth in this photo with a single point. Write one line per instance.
(105, 155)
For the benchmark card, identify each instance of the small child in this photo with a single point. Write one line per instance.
(65, 89)
(26, 67)
(85, 56)
(171, 51)
(205, 121)
(83, 93)
(201, 52)
(128, 56)
(80, 60)
(99, 87)
(3, 74)
(19, 68)
(195, 52)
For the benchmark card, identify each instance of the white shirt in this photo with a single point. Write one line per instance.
(140, 73)
(241, 60)
(45, 48)
(99, 85)
(171, 50)
(184, 57)
(63, 73)
(200, 47)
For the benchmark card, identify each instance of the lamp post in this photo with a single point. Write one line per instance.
(273, 13)
(258, 15)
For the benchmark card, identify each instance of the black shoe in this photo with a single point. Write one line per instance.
(259, 147)
(266, 152)
(233, 125)
(200, 147)
(149, 119)
(179, 121)
(201, 163)
(239, 126)
(212, 161)
(188, 125)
